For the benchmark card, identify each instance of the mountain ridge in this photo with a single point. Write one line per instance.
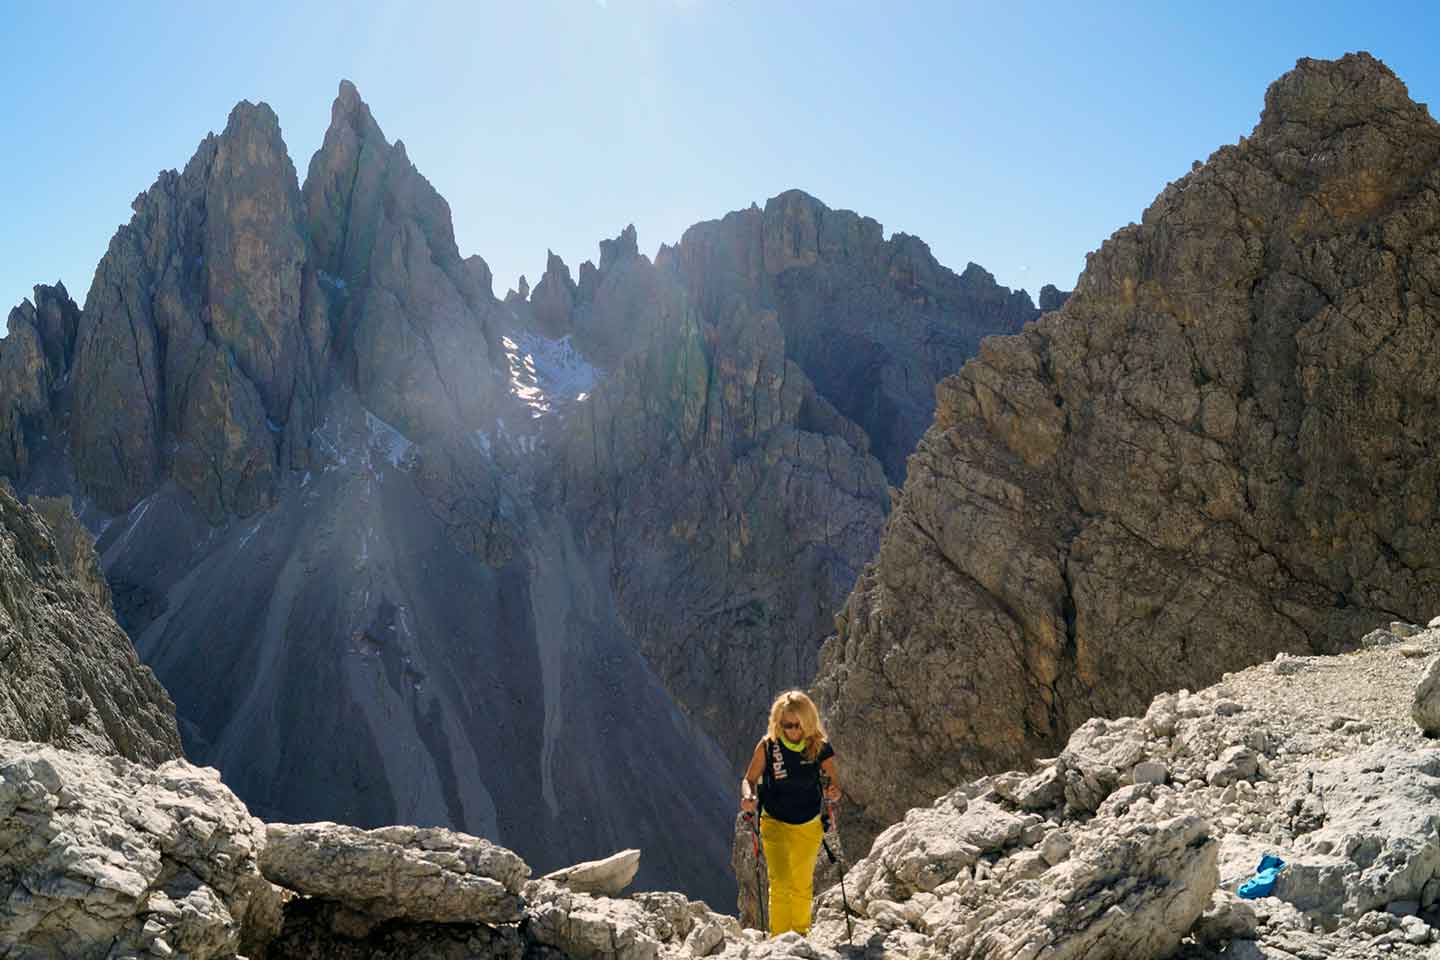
(1213, 452)
(340, 488)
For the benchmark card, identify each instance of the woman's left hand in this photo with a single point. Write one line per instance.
(832, 792)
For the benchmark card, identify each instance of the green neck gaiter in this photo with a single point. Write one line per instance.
(797, 747)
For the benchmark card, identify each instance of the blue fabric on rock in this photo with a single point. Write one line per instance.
(1263, 882)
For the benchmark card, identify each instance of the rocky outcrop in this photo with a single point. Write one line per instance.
(102, 857)
(716, 461)
(1425, 707)
(874, 323)
(735, 502)
(35, 357)
(191, 359)
(1134, 840)
(412, 320)
(1131, 843)
(553, 299)
(1217, 450)
(68, 674)
(1052, 298)
(74, 547)
(608, 877)
(622, 305)
(427, 875)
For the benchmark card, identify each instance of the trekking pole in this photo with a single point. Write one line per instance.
(844, 898)
(759, 877)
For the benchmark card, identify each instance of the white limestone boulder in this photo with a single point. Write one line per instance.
(103, 857)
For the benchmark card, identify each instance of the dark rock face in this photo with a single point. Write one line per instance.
(1052, 298)
(553, 299)
(35, 356)
(190, 356)
(729, 462)
(874, 323)
(412, 319)
(68, 674)
(360, 665)
(718, 462)
(618, 304)
(1219, 448)
(735, 503)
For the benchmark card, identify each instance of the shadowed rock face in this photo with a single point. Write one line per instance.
(35, 356)
(412, 320)
(68, 674)
(874, 323)
(1220, 448)
(735, 503)
(190, 358)
(767, 373)
(1052, 298)
(553, 299)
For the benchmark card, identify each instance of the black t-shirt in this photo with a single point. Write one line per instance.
(790, 784)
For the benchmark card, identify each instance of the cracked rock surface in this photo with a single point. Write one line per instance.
(1159, 818)
(101, 857)
(1221, 447)
(1130, 843)
(68, 674)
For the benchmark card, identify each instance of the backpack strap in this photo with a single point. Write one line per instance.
(767, 778)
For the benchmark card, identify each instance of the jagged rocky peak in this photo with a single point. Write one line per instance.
(553, 298)
(741, 438)
(841, 290)
(345, 169)
(190, 339)
(1052, 298)
(480, 270)
(620, 305)
(68, 674)
(1220, 448)
(413, 321)
(980, 284)
(518, 295)
(35, 357)
(1322, 98)
(622, 248)
(799, 230)
(56, 319)
(589, 280)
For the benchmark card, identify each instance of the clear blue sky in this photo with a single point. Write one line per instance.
(1018, 138)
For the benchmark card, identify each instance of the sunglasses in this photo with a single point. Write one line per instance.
(792, 726)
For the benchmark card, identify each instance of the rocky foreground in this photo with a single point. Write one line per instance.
(1130, 844)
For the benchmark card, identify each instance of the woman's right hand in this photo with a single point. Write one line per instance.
(748, 804)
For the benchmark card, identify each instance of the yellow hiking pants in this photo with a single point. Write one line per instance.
(790, 852)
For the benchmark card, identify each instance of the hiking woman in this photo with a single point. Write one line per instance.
(786, 767)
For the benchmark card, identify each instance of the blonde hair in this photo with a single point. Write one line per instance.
(812, 730)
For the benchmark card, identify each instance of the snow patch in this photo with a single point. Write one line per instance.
(331, 445)
(137, 513)
(385, 440)
(249, 535)
(547, 375)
